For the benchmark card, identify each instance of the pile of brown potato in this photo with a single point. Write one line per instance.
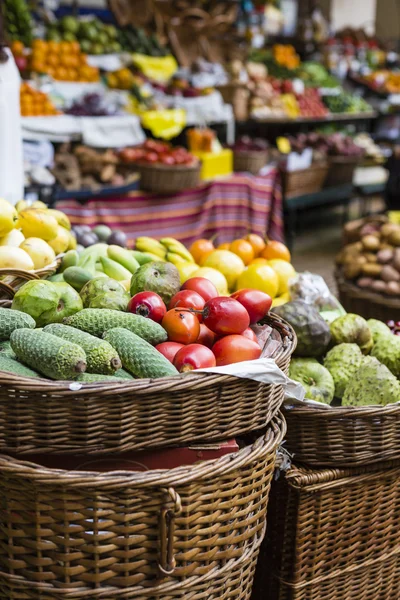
(373, 261)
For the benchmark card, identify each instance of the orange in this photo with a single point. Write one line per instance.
(53, 47)
(61, 74)
(51, 71)
(39, 45)
(64, 48)
(53, 60)
(276, 249)
(17, 48)
(38, 66)
(72, 74)
(257, 243)
(200, 249)
(243, 249)
(224, 246)
(75, 47)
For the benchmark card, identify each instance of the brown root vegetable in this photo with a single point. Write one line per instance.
(370, 258)
(396, 259)
(370, 243)
(388, 273)
(371, 270)
(394, 238)
(393, 288)
(369, 228)
(365, 282)
(386, 246)
(388, 228)
(379, 286)
(385, 256)
(352, 270)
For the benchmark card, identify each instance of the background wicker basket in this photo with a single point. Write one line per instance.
(156, 534)
(369, 305)
(341, 170)
(306, 181)
(250, 161)
(238, 95)
(12, 279)
(343, 436)
(332, 535)
(163, 179)
(41, 416)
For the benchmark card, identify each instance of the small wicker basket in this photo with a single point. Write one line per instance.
(163, 179)
(190, 532)
(341, 170)
(250, 161)
(54, 417)
(12, 279)
(305, 181)
(332, 535)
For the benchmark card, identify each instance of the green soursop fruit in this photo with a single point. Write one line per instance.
(373, 383)
(378, 329)
(122, 374)
(48, 354)
(16, 368)
(101, 357)
(6, 350)
(138, 356)
(100, 286)
(14, 319)
(47, 302)
(343, 362)
(352, 329)
(387, 351)
(316, 380)
(313, 334)
(97, 321)
(95, 378)
(160, 277)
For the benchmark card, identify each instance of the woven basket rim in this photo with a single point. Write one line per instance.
(325, 411)
(251, 153)
(180, 381)
(271, 439)
(360, 294)
(39, 272)
(173, 169)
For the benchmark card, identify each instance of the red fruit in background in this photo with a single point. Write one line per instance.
(255, 302)
(206, 336)
(225, 316)
(235, 348)
(205, 288)
(149, 305)
(182, 326)
(188, 299)
(21, 62)
(194, 356)
(169, 349)
(250, 335)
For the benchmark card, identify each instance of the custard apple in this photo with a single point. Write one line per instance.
(352, 329)
(387, 351)
(373, 383)
(343, 362)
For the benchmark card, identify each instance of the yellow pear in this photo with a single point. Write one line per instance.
(60, 243)
(35, 222)
(15, 258)
(14, 238)
(72, 243)
(60, 217)
(39, 251)
(8, 217)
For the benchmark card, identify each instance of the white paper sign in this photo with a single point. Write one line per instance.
(298, 162)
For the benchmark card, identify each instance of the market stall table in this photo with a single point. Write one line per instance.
(230, 208)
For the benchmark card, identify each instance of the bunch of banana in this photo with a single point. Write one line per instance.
(167, 249)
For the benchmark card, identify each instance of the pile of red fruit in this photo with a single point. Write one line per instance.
(205, 329)
(155, 152)
(394, 327)
(311, 105)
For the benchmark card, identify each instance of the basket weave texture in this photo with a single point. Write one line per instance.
(332, 535)
(163, 179)
(149, 535)
(41, 416)
(250, 161)
(341, 170)
(305, 181)
(12, 279)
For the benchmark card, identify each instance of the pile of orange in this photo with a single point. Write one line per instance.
(35, 103)
(286, 56)
(123, 79)
(63, 61)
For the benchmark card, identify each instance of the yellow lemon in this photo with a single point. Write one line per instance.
(8, 217)
(280, 300)
(15, 258)
(186, 271)
(285, 272)
(259, 277)
(60, 243)
(60, 217)
(35, 222)
(39, 251)
(72, 243)
(215, 277)
(230, 265)
(14, 238)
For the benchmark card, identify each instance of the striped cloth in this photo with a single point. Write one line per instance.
(230, 208)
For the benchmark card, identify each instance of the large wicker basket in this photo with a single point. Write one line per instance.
(250, 161)
(305, 181)
(332, 535)
(343, 436)
(162, 179)
(41, 416)
(190, 532)
(12, 279)
(341, 170)
(369, 305)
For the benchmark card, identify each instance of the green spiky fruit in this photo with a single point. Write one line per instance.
(96, 378)
(100, 355)
(14, 319)
(138, 356)
(159, 277)
(10, 365)
(373, 384)
(52, 356)
(343, 362)
(96, 321)
(316, 379)
(6, 350)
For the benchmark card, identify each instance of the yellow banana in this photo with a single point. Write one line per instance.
(147, 244)
(176, 259)
(176, 247)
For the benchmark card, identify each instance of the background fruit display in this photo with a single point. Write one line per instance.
(63, 61)
(94, 37)
(35, 103)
